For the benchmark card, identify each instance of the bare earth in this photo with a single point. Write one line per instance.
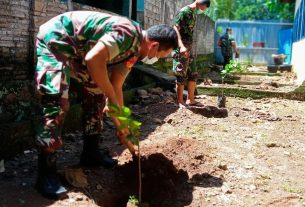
(254, 157)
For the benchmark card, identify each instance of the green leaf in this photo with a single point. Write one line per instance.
(126, 111)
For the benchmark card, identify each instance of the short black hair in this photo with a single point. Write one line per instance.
(228, 29)
(205, 2)
(165, 35)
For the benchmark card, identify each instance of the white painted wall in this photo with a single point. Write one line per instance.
(298, 60)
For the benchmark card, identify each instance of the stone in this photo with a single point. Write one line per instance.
(271, 144)
(168, 93)
(142, 92)
(225, 189)
(223, 166)
(2, 168)
(157, 121)
(155, 91)
(252, 187)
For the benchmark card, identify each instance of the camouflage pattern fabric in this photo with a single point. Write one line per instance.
(226, 45)
(226, 48)
(182, 66)
(61, 45)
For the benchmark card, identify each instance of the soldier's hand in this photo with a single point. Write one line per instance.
(184, 51)
(122, 134)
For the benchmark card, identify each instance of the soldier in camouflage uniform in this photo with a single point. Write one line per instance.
(185, 22)
(227, 44)
(76, 51)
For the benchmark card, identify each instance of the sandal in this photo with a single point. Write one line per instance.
(196, 104)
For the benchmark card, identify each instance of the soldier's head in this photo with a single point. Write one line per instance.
(158, 43)
(229, 30)
(202, 5)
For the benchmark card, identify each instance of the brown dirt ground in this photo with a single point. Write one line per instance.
(254, 157)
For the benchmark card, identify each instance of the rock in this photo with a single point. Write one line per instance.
(274, 84)
(225, 189)
(155, 91)
(252, 187)
(223, 166)
(99, 187)
(142, 93)
(2, 168)
(201, 97)
(79, 198)
(157, 121)
(169, 121)
(249, 167)
(155, 98)
(168, 93)
(271, 144)
(169, 99)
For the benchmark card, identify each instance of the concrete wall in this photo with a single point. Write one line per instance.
(164, 11)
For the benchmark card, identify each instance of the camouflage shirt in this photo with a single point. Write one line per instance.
(72, 34)
(226, 42)
(186, 19)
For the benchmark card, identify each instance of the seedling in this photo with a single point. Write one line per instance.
(124, 115)
(232, 67)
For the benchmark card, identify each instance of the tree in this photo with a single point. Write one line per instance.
(251, 10)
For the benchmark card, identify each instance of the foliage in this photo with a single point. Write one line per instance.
(220, 30)
(124, 115)
(232, 67)
(133, 200)
(251, 10)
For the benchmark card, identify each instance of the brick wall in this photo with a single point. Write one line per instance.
(19, 23)
(14, 36)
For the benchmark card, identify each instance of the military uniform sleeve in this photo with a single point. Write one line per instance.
(179, 18)
(111, 44)
(119, 37)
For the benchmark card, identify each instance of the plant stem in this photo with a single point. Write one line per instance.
(140, 176)
(222, 81)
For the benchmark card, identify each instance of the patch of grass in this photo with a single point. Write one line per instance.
(192, 131)
(288, 188)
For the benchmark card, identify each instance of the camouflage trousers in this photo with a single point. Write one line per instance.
(58, 81)
(184, 68)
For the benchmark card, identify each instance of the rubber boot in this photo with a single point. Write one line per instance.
(92, 156)
(48, 183)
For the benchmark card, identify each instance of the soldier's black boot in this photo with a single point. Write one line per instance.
(92, 156)
(48, 182)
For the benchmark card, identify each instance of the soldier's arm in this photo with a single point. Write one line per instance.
(118, 76)
(96, 60)
(183, 49)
